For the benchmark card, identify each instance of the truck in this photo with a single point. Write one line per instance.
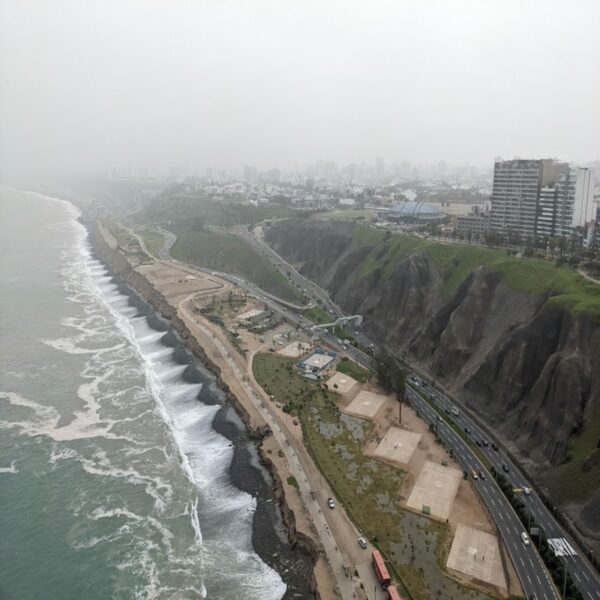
(381, 571)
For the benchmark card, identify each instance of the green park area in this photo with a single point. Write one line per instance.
(414, 546)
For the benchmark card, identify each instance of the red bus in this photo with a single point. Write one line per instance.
(381, 570)
(393, 593)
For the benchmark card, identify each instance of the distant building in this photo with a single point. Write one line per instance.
(414, 212)
(476, 224)
(541, 197)
(347, 202)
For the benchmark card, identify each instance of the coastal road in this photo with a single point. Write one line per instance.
(528, 564)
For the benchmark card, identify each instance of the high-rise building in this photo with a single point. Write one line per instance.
(516, 193)
(567, 204)
(541, 197)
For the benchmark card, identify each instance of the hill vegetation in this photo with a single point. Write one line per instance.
(232, 254)
(568, 289)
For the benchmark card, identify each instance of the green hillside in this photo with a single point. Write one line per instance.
(531, 275)
(231, 254)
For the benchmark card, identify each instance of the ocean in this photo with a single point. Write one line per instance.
(123, 474)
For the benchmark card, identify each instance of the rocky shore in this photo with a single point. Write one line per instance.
(295, 558)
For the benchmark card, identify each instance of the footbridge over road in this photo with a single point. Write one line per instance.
(340, 321)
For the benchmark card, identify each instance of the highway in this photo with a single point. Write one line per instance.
(532, 573)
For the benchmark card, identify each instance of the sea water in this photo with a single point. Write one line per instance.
(114, 482)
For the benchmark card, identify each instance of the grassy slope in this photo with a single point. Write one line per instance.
(230, 253)
(367, 488)
(349, 367)
(153, 239)
(571, 291)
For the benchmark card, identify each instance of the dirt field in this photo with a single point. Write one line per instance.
(476, 553)
(397, 445)
(436, 488)
(365, 404)
(344, 383)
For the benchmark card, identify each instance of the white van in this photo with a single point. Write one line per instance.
(525, 538)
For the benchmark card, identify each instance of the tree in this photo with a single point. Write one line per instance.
(390, 376)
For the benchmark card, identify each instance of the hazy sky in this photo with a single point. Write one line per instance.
(85, 84)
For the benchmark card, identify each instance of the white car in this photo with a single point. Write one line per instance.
(362, 542)
(330, 503)
(525, 538)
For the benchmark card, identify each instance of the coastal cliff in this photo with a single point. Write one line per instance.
(120, 265)
(527, 366)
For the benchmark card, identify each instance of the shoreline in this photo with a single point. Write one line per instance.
(163, 316)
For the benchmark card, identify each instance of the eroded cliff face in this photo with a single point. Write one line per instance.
(529, 370)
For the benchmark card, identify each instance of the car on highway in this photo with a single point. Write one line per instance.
(526, 491)
(481, 475)
(525, 538)
(474, 474)
(362, 542)
(330, 503)
(495, 446)
(505, 467)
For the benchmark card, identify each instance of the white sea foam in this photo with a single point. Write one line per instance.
(12, 469)
(204, 455)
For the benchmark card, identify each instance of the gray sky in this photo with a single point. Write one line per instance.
(86, 84)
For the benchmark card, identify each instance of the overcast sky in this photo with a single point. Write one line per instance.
(85, 84)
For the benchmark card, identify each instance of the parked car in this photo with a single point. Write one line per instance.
(362, 542)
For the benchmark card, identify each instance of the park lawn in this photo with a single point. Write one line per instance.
(368, 489)
(317, 315)
(349, 367)
(153, 239)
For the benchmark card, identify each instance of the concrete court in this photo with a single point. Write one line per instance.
(291, 350)
(476, 554)
(398, 445)
(344, 383)
(435, 487)
(365, 404)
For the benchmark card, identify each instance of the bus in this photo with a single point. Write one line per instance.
(393, 593)
(381, 570)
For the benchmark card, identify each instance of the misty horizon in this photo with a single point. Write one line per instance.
(86, 87)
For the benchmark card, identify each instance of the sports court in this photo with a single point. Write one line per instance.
(365, 404)
(318, 360)
(398, 445)
(340, 383)
(476, 554)
(435, 488)
(294, 349)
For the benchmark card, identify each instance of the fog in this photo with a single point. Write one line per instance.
(88, 85)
